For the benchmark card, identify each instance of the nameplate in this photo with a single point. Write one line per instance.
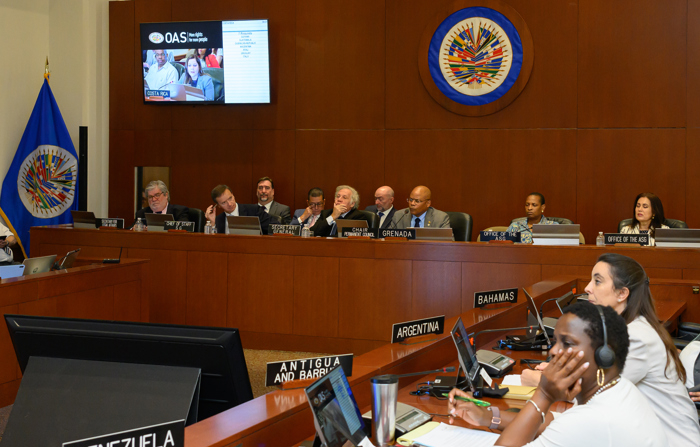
(303, 369)
(350, 231)
(402, 331)
(158, 93)
(486, 236)
(409, 233)
(619, 238)
(177, 225)
(109, 222)
(482, 299)
(285, 229)
(169, 434)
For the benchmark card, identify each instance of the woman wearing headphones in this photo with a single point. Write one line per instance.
(589, 353)
(653, 363)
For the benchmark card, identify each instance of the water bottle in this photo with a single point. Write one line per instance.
(138, 226)
(306, 231)
(600, 239)
(207, 227)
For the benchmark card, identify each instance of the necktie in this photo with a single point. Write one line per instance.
(334, 229)
(380, 214)
(417, 223)
(263, 209)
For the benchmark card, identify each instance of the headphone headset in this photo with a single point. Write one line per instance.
(604, 355)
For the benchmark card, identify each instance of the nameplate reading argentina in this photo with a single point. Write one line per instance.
(169, 434)
(402, 331)
(408, 233)
(619, 238)
(109, 222)
(485, 236)
(177, 225)
(303, 369)
(285, 229)
(482, 299)
(363, 232)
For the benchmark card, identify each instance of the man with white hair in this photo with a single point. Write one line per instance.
(159, 203)
(345, 206)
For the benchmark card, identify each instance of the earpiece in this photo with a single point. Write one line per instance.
(604, 355)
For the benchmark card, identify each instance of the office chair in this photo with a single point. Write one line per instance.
(197, 216)
(372, 219)
(461, 224)
(671, 223)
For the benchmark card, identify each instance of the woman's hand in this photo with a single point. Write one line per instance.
(472, 414)
(561, 379)
(695, 396)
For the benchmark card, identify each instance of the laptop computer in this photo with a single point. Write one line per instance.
(434, 234)
(11, 271)
(156, 221)
(38, 265)
(349, 223)
(69, 259)
(84, 219)
(244, 225)
(677, 237)
(567, 234)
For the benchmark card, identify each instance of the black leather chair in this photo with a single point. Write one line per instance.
(461, 224)
(372, 219)
(561, 220)
(671, 223)
(197, 216)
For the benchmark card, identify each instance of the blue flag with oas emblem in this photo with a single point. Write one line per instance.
(40, 187)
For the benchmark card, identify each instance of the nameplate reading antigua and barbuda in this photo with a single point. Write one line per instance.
(482, 299)
(285, 229)
(109, 222)
(415, 328)
(408, 233)
(619, 238)
(303, 369)
(486, 236)
(177, 225)
(366, 232)
(169, 434)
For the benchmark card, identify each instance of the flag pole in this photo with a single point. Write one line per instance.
(47, 72)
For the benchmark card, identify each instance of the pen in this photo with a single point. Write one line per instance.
(476, 402)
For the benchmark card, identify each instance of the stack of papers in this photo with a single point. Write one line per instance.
(433, 434)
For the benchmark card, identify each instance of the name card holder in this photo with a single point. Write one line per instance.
(399, 235)
(174, 226)
(421, 331)
(626, 239)
(503, 237)
(106, 223)
(359, 233)
(285, 230)
(298, 372)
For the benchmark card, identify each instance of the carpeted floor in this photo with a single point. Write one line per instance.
(256, 361)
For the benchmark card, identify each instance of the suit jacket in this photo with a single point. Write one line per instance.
(179, 212)
(246, 210)
(387, 219)
(282, 211)
(321, 228)
(297, 215)
(433, 219)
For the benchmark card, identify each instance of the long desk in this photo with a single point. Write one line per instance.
(99, 291)
(338, 296)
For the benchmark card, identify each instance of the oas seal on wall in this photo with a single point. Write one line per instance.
(46, 181)
(478, 59)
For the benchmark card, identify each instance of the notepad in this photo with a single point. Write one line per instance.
(444, 435)
(520, 392)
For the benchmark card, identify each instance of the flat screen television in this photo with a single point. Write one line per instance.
(224, 62)
(216, 351)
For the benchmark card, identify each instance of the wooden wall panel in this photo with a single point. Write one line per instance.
(127, 301)
(692, 179)
(8, 367)
(693, 54)
(618, 55)
(95, 303)
(483, 277)
(634, 161)
(435, 291)
(121, 112)
(273, 156)
(207, 299)
(548, 101)
(121, 178)
(318, 277)
(167, 282)
(691, 274)
(584, 271)
(340, 64)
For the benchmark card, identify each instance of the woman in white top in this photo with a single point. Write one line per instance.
(648, 215)
(611, 410)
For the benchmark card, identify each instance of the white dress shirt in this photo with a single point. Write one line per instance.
(383, 218)
(234, 213)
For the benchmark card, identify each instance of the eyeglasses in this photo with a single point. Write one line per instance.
(155, 196)
(412, 200)
(316, 205)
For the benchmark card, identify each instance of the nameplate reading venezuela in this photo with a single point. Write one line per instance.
(311, 368)
(402, 331)
(371, 232)
(177, 225)
(169, 434)
(407, 233)
(109, 222)
(486, 236)
(285, 229)
(619, 238)
(482, 299)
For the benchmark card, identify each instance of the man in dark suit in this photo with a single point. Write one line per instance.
(266, 199)
(223, 197)
(316, 201)
(159, 203)
(419, 213)
(344, 207)
(383, 206)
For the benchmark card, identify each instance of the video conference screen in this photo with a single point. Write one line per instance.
(224, 62)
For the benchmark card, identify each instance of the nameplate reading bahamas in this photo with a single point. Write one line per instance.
(303, 369)
(402, 331)
(482, 299)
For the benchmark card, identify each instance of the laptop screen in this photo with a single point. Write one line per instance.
(467, 357)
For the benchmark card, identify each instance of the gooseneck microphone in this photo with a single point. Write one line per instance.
(393, 224)
(425, 373)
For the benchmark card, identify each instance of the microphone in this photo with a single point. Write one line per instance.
(393, 224)
(473, 336)
(424, 373)
(171, 82)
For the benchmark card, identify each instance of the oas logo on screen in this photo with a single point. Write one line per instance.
(46, 181)
(478, 59)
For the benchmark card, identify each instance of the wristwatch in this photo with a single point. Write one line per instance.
(496, 419)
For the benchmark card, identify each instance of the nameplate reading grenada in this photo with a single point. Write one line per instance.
(406, 233)
(619, 238)
(366, 232)
(303, 369)
(109, 222)
(482, 299)
(402, 331)
(177, 225)
(486, 236)
(285, 229)
(169, 434)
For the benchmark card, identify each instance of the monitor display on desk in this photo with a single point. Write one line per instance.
(216, 351)
(466, 355)
(156, 221)
(336, 415)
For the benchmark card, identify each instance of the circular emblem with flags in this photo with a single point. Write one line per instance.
(46, 181)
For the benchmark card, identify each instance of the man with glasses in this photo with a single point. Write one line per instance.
(316, 201)
(223, 198)
(383, 206)
(159, 203)
(419, 213)
(344, 207)
(162, 73)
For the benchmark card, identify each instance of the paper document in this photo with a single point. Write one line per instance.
(451, 436)
(512, 379)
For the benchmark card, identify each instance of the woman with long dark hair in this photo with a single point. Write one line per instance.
(648, 215)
